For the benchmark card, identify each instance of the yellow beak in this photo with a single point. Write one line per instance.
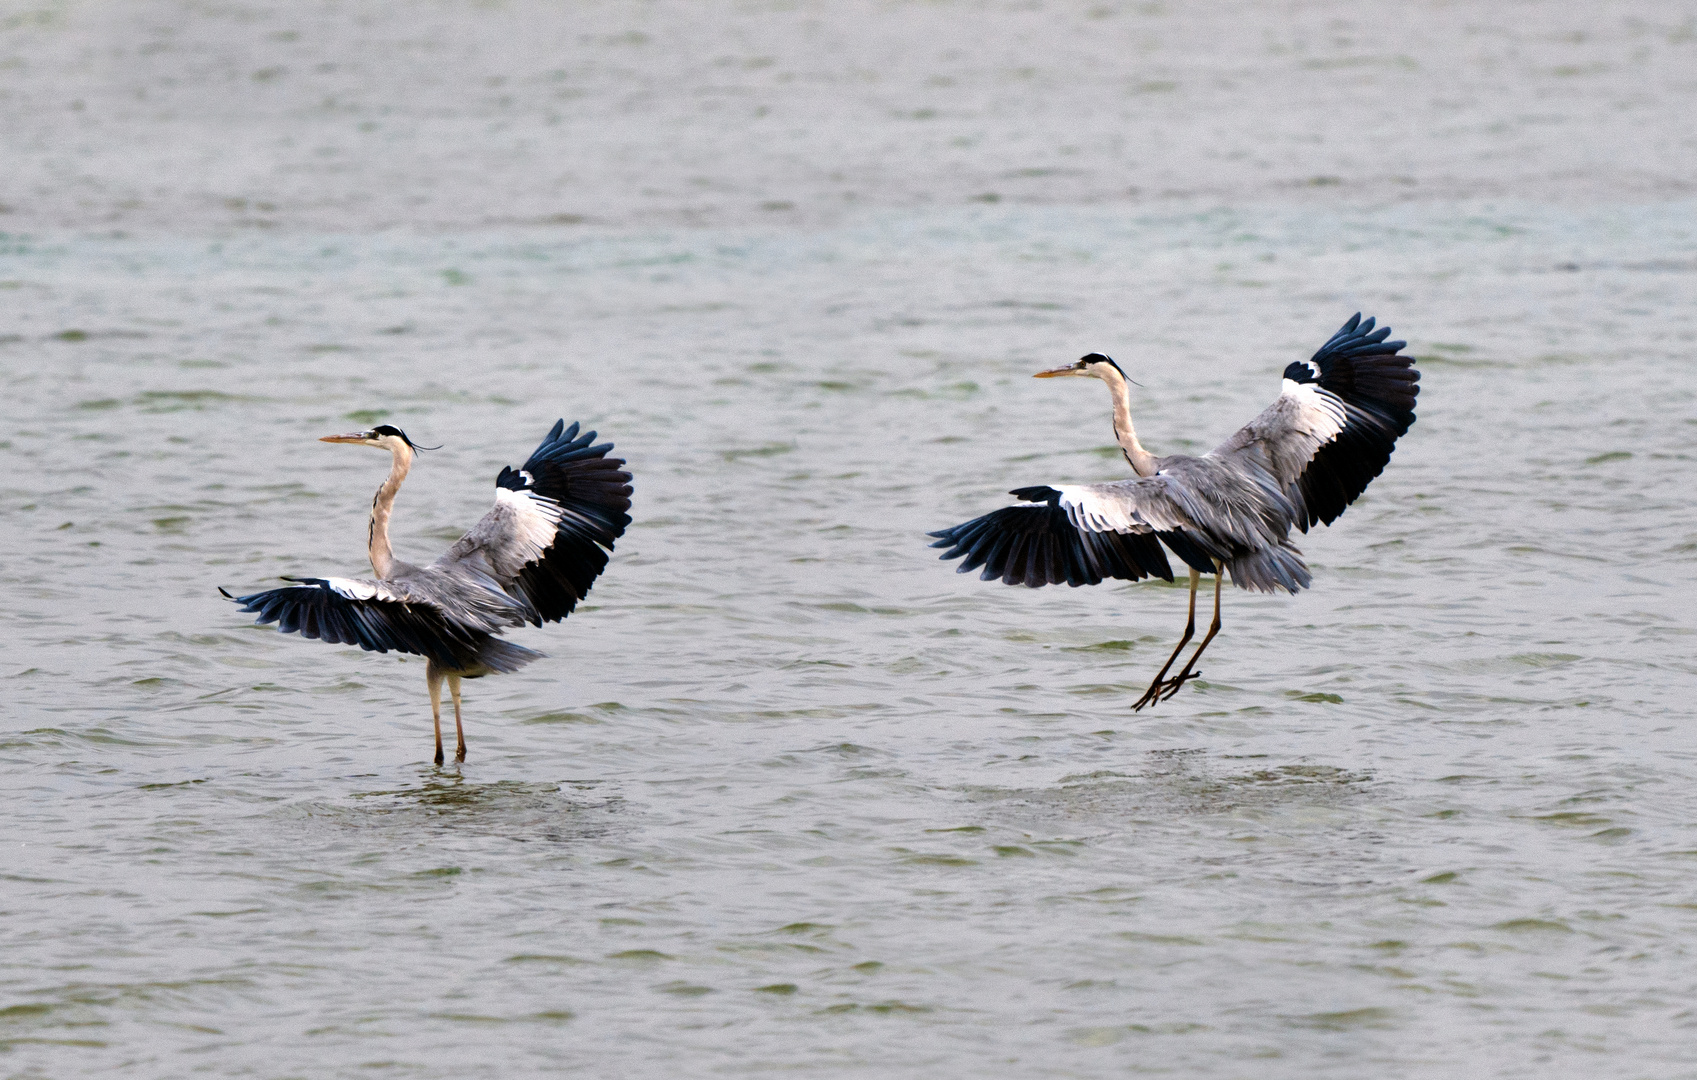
(356, 437)
(1056, 372)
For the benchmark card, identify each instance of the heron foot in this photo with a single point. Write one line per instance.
(1173, 685)
(439, 757)
(1162, 689)
(1151, 695)
(459, 755)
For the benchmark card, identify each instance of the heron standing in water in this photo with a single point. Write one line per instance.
(1301, 462)
(530, 560)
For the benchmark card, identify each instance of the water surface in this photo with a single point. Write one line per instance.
(788, 795)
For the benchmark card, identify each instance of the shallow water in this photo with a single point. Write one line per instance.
(788, 795)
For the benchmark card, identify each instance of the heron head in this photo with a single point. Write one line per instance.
(1093, 366)
(386, 436)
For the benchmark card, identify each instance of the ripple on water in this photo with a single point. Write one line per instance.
(1177, 785)
(506, 809)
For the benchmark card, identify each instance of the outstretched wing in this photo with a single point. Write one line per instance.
(1040, 545)
(1333, 428)
(374, 615)
(554, 521)
(1204, 509)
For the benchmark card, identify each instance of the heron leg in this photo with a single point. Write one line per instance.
(1153, 694)
(433, 676)
(459, 731)
(1186, 675)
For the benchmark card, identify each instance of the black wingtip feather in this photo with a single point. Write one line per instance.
(315, 611)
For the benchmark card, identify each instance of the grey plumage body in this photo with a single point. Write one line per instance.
(530, 559)
(469, 599)
(1302, 461)
(1230, 507)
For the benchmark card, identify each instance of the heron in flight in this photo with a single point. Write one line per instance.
(531, 558)
(1301, 462)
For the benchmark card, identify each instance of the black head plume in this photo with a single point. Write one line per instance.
(390, 429)
(1103, 358)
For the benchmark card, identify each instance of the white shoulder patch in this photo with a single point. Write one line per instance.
(528, 502)
(1318, 412)
(353, 590)
(1091, 511)
(534, 521)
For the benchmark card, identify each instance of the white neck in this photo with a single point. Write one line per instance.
(1142, 461)
(382, 556)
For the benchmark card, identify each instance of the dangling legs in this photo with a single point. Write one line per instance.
(459, 732)
(1185, 675)
(433, 676)
(1153, 694)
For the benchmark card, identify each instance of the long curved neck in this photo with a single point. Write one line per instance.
(1142, 461)
(382, 556)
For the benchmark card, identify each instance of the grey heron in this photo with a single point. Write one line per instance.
(530, 559)
(1301, 462)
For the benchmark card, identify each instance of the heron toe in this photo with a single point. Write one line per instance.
(1150, 696)
(1174, 685)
